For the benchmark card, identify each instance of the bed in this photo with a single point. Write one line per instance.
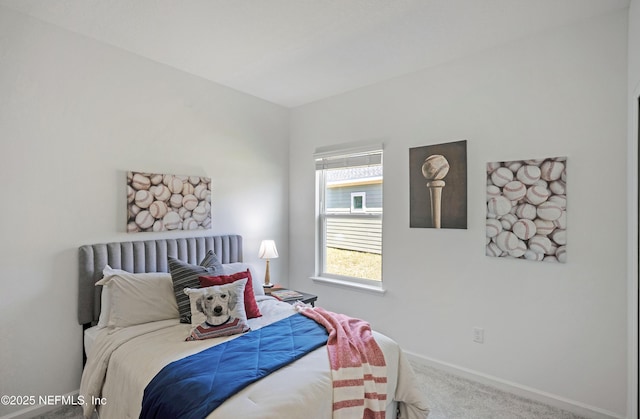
(123, 359)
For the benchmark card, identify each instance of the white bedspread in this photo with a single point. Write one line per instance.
(122, 362)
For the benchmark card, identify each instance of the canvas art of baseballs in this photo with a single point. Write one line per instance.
(527, 209)
(159, 202)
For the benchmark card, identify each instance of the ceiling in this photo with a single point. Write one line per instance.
(293, 52)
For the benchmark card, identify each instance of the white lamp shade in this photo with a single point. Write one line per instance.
(268, 250)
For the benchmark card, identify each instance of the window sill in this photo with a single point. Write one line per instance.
(348, 284)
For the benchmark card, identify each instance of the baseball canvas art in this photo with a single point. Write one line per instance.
(438, 186)
(527, 209)
(159, 202)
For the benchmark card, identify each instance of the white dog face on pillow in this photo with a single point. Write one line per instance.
(216, 306)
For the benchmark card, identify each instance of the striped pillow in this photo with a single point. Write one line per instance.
(211, 260)
(185, 275)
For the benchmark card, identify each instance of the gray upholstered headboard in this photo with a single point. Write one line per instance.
(143, 256)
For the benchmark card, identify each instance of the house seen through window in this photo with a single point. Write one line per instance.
(350, 216)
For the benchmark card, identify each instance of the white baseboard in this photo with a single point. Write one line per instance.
(33, 411)
(572, 406)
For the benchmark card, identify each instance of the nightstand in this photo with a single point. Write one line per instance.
(306, 297)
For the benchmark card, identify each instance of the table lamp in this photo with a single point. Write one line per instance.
(267, 251)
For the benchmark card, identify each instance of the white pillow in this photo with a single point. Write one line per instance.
(105, 295)
(105, 307)
(137, 298)
(232, 268)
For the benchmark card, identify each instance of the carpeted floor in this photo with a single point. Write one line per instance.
(64, 412)
(449, 397)
(453, 397)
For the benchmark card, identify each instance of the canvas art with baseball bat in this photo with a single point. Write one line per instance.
(438, 186)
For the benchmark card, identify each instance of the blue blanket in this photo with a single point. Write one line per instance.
(194, 386)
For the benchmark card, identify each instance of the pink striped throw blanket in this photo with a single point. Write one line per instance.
(358, 369)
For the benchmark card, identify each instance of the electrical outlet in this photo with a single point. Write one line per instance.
(478, 335)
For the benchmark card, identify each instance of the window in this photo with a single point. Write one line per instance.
(358, 201)
(349, 214)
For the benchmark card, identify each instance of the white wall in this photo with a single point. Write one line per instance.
(558, 330)
(634, 94)
(75, 115)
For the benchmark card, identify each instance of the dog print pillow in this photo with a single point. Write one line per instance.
(250, 304)
(217, 311)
